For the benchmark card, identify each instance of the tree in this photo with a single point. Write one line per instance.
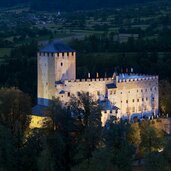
(60, 128)
(116, 142)
(134, 136)
(100, 160)
(165, 96)
(15, 106)
(87, 121)
(151, 138)
(159, 161)
(7, 149)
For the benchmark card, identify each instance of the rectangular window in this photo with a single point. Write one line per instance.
(133, 109)
(139, 108)
(137, 100)
(145, 107)
(126, 101)
(69, 94)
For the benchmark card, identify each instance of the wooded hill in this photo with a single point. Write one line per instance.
(70, 5)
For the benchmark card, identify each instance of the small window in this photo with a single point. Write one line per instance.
(121, 92)
(114, 92)
(98, 93)
(133, 100)
(141, 90)
(142, 99)
(63, 54)
(137, 100)
(121, 101)
(146, 98)
(61, 64)
(145, 90)
(69, 94)
(126, 101)
(78, 93)
(72, 53)
(137, 91)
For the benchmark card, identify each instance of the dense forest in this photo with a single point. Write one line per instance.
(70, 5)
(77, 143)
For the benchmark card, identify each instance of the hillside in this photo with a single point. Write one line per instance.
(70, 5)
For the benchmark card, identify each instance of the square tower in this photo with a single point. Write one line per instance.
(56, 62)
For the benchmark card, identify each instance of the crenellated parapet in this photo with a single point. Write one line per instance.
(62, 55)
(89, 80)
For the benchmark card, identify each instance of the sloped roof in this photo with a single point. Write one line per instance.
(39, 110)
(111, 86)
(56, 46)
(62, 92)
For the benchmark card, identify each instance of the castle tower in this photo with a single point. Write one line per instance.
(56, 62)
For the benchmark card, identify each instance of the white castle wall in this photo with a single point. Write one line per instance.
(136, 96)
(95, 87)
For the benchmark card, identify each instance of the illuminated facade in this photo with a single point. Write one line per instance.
(122, 96)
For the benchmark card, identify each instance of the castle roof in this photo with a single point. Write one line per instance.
(39, 110)
(56, 46)
(132, 76)
(111, 86)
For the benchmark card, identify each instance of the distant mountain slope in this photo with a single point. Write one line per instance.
(70, 4)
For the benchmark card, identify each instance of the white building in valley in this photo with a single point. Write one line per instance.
(122, 96)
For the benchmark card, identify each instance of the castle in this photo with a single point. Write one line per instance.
(123, 96)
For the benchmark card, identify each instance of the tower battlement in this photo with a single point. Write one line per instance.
(63, 55)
